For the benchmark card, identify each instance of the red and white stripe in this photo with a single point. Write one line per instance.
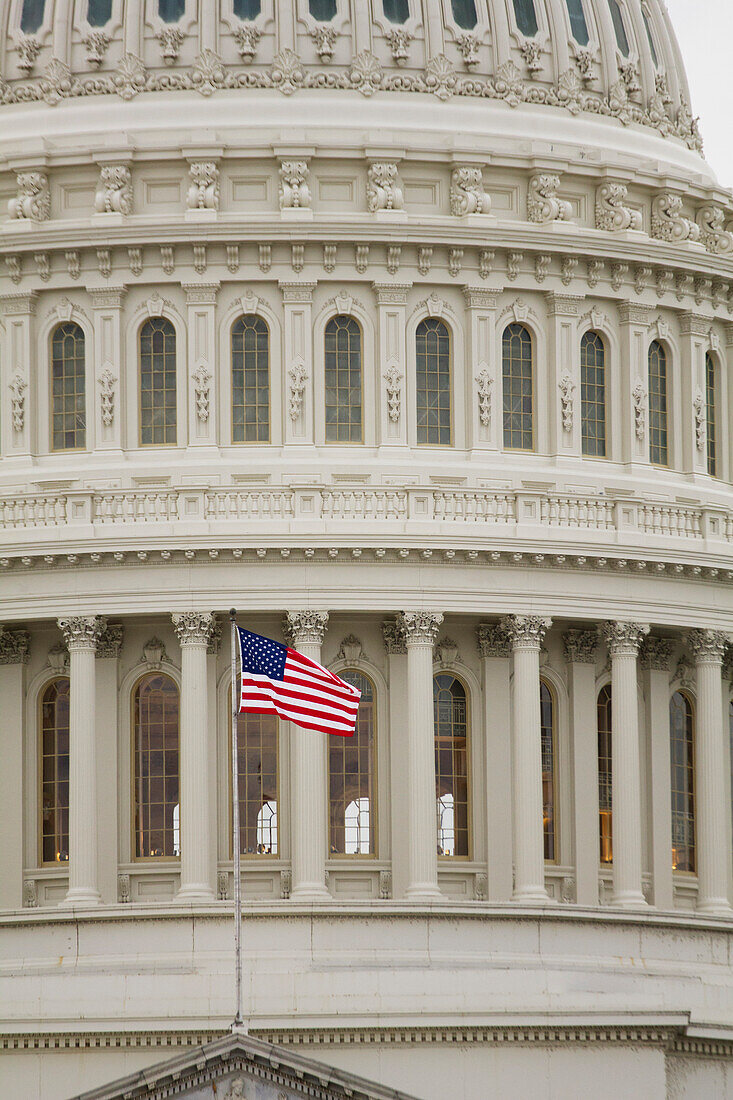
(309, 695)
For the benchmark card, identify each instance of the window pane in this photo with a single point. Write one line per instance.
(156, 808)
(157, 382)
(55, 772)
(618, 26)
(258, 766)
(352, 778)
(451, 765)
(593, 394)
(433, 397)
(682, 755)
(605, 793)
(250, 380)
(247, 9)
(526, 17)
(658, 453)
(578, 24)
(170, 11)
(324, 10)
(464, 13)
(711, 415)
(99, 12)
(397, 11)
(31, 18)
(547, 732)
(518, 383)
(68, 385)
(343, 381)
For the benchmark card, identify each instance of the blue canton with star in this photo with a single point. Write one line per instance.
(262, 656)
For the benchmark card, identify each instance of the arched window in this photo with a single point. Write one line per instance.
(433, 391)
(99, 12)
(526, 17)
(618, 25)
(650, 36)
(68, 389)
(157, 382)
(711, 405)
(156, 715)
(658, 452)
(259, 780)
(352, 778)
(250, 380)
(323, 10)
(578, 23)
(247, 9)
(464, 13)
(518, 385)
(31, 18)
(55, 771)
(170, 11)
(682, 754)
(547, 732)
(593, 394)
(605, 773)
(450, 711)
(397, 11)
(343, 381)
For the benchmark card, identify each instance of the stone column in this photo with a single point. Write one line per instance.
(81, 635)
(14, 645)
(420, 629)
(309, 775)
(194, 630)
(495, 648)
(527, 633)
(580, 653)
(713, 838)
(654, 658)
(623, 641)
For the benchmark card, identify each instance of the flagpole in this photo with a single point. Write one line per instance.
(236, 700)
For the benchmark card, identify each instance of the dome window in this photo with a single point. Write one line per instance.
(323, 10)
(397, 11)
(618, 25)
(247, 9)
(99, 13)
(650, 36)
(464, 13)
(171, 11)
(578, 24)
(526, 16)
(31, 18)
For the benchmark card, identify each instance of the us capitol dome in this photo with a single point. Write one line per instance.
(404, 327)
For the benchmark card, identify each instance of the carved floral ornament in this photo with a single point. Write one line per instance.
(624, 639)
(107, 382)
(114, 191)
(82, 632)
(393, 380)
(485, 384)
(419, 627)
(305, 627)
(193, 627)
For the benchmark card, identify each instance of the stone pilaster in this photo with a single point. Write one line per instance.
(202, 364)
(14, 648)
(483, 376)
(580, 653)
(107, 400)
(392, 358)
(631, 410)
(495, 648)
(654, 658)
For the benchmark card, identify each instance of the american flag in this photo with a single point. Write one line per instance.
(279, 680)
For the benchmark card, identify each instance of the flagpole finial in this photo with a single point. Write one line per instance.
(233, 615)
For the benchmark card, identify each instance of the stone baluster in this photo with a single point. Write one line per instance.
(81, 635)
(420, 629)
(193, 629)
(713, 837)
(624, 640)
(309, 775)
(526, 633)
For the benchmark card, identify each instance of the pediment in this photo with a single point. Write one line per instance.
(239, 1067)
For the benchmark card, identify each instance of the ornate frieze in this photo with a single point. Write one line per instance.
(32, 201)
(526, 631)
(114, 191)
(305, 627)
(493, 640)
(655, 654)
(580, 646)
(420, 627)
(383, 190)
(624, 639)
(543, 202)
(467, 194)
(82, 631)
(193, 627)
(14, 647)
(613, 215)
(708, 646)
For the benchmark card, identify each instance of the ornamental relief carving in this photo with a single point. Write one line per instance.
(543, 202)
(526, 631)
(494, 640)
(485, 384)
(613, 215)
(107, 383)
(201, 378)
(580, 646)
(383, 190)
(566, 387)
(393, 380)
(18, 388)
(305, 627)
(669, 223)
(420, 627)
(32, 201)
(467, 194)
(298, 376)
(700, 420)
(81, 631)
(624, 639)
(203, 193)
(193, 627)
(294, 191)
(638, 395)
(114, 191)
(708, 646)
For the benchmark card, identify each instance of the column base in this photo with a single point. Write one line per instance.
(714, 907)
(194, 892)
(532, 895)
(629, 899)
(80, 897)
(423, 891)
(310, 891)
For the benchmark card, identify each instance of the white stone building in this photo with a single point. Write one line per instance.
(405, 327)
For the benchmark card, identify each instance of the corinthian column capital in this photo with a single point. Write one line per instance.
(526, 631)
(624, 639)
(708, 646)
(305, 627)
(193, 627)
(81, 631)
(580, 646)
(420, 627)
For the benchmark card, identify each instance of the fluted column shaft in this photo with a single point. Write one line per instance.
(194, 630)
(309, 775)
(81, 635)
(526, 633)
(624, 640)
(420, 629)
(713, 841)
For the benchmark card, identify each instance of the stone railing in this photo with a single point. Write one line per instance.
(78, 514)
